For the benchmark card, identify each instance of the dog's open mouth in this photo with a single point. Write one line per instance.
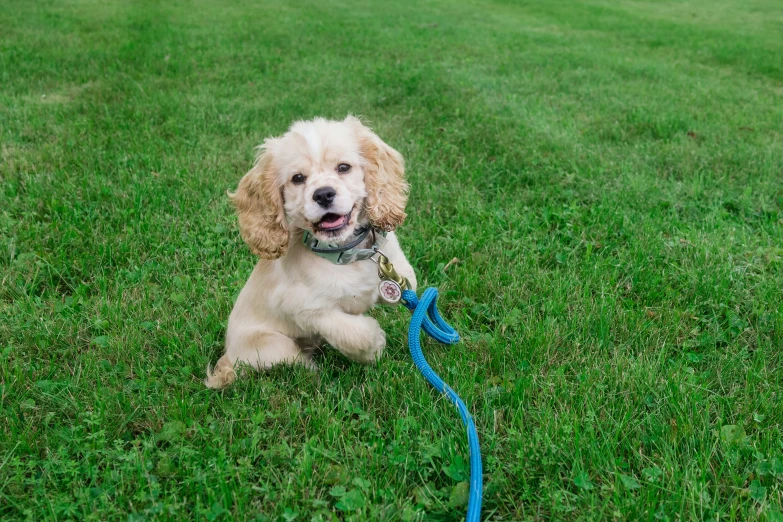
(333, 222)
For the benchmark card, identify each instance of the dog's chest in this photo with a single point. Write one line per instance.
(358, 286)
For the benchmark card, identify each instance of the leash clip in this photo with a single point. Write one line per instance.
(392, 284)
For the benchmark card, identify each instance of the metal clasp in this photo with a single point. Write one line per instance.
(387, 272)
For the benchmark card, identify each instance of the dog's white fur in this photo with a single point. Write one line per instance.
(295, 299)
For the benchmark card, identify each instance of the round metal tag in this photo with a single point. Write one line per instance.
(390, 292)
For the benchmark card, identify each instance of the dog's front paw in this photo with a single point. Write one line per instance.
(377, 344)
(369, 346)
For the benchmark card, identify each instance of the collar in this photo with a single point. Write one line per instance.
(348, 253)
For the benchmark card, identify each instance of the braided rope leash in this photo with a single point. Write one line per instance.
(393, 289)
(426, 317)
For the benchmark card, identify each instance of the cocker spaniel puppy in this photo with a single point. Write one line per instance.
(318, 201)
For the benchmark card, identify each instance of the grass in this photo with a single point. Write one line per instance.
(609, 176)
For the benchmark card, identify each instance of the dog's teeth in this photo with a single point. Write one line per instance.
(331, 224)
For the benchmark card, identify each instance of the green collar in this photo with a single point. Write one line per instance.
(348, 253)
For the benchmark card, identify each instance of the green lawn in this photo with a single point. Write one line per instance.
(609, 175)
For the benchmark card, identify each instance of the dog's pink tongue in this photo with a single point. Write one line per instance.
(331, 223)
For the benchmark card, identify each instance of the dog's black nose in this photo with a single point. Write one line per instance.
(324, 196)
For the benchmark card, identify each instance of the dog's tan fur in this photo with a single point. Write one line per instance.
(295, 299)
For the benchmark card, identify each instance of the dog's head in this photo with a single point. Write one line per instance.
(327, 177)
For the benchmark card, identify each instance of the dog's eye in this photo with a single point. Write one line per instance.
(298, 179)
(342, 168)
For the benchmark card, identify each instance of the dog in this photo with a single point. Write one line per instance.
(320, 188)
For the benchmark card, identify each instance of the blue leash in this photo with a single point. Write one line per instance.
(426, 317)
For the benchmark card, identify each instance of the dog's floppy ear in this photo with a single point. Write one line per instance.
(259, 204)
(384, 179)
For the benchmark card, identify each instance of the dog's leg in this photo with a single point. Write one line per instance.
(357, 337)
(397, 257)
(259, 349)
